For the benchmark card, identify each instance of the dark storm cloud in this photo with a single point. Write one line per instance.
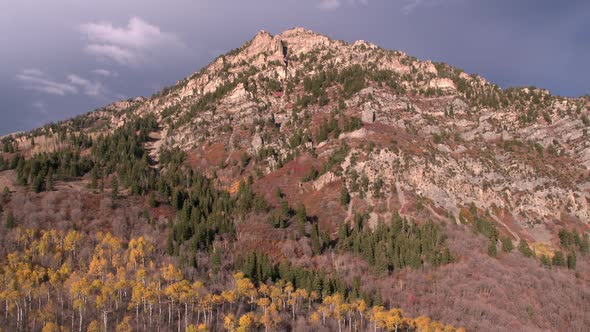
(64, 57)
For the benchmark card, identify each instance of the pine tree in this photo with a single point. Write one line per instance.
(545, 260)
(152, 200)
(492, 250)
(10, 220)
(571, 260)
(316, 244)
(507, 245)
(525, 249)
(301, 216)
(278, 193)
(343, 234)
(38, 183)
(170, 247)
(559, 259)
(114, 188)
(344, 196)
(49, 182)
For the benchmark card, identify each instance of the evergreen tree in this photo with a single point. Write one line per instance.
(278, 193)
(94, 177)
(343, 240)
(559, 259)
(507, 245)
(344, 196)
(285, 210)
(316, 244)
(545, 260)
(571, 260)
(49, 182)
(152, 200)
(525, 249)
(38, 183)
(10, 220)
(301, 216)
(170, 248)
(114, 188)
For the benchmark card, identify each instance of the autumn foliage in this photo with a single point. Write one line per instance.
(46, 286)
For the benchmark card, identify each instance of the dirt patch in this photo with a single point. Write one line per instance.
(8, 179)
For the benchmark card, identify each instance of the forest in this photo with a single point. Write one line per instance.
(72, 281)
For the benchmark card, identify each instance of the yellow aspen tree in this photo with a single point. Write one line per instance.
(124, 325)
(216, 301)
(138, 251)
(246, 322)
(394, 319)
(50, 327)
(121, 284)
(422, 323)
(171, 274)
(244, 287)
(314, 319)
(93, 327)
(436, 326)
(178, 292)
(376, 316)
(206, 306)
(80, 289)
(448, 328)
(229, 322)
(313, 296)
(137, 294)
(263, 289)
(230, 297)
(71, 241)
(275, 316)
(151, 295)
(361, 307)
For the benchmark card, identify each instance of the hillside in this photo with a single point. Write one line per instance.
(310, 166)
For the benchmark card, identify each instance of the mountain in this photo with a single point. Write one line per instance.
(345, 169)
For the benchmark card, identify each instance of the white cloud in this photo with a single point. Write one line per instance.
(412, 5)
(34, 79)
(127, 45)
(329, 4)
(116, 53)
(105, 73)
(335, 4)
(90, 88)
(32, 72)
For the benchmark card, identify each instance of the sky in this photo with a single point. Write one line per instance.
(61, 58)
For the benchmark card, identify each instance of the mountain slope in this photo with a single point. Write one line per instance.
(359, 136)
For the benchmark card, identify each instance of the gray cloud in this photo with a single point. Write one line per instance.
(127, 45)
(105, 73)
(35, 79)
(90, 88)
